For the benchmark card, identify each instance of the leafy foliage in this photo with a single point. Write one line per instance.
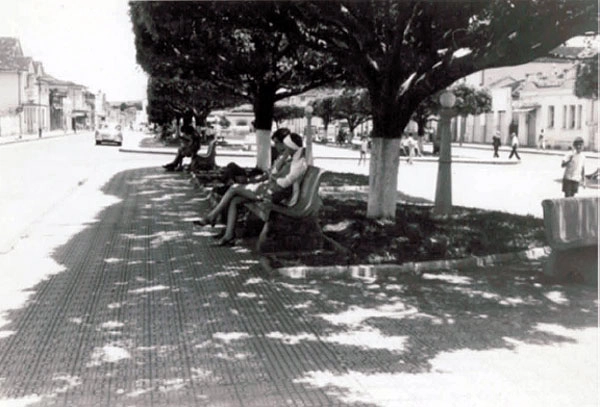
(586, 83)
(471, 101)
(324, 109)
(281, 113)
(239, 47)
(403, 52)
(171, 98)
(353, 106)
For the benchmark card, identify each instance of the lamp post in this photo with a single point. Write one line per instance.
(443, 189)
(308, 111)
(39, 108)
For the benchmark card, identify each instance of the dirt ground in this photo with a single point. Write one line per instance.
(416, 234)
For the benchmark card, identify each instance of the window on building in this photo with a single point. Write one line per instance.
(550, 117)
(564, 117)
(579, 114)
(572, 117)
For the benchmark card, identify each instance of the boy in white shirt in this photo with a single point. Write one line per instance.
(574, 165)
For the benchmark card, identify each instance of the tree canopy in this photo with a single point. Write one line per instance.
(169, 99)
(586, 82)
(402, 52)
(281, 113)
(239, 47)
(353, 106)
(324, 109)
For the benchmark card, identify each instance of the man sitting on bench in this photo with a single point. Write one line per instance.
(191, 145)
(282, 186)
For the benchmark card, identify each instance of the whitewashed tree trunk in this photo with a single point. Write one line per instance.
(383, 178)
(263, 149)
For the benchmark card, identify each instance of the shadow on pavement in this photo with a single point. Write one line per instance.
(147, 313)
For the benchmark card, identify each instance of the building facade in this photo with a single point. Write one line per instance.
(32, 101)
(533, 99)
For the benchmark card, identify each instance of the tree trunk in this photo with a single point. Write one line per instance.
(264, 102)
(383, 178)
(421, 123)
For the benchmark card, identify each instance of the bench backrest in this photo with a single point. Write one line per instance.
(309, 202)
(571, 222)
(210, 151)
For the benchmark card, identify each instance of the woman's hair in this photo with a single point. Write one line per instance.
(280, 134)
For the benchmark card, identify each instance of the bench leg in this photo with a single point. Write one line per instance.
(262, 237)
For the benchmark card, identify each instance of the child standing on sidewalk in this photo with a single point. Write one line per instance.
(574, 165)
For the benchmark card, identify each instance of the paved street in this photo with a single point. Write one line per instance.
(110, 296)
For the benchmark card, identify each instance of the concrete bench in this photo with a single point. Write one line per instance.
(306, 208)
(571, 227)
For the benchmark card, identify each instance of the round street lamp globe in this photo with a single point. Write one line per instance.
(308, 110)
(447, 99)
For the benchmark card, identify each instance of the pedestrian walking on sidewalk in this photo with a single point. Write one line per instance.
(514, 141)
(364, 147)
(496, 144)
(574, 165)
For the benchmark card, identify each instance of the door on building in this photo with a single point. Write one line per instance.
(531, 133)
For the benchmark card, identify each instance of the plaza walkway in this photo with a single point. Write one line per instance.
(140, 310)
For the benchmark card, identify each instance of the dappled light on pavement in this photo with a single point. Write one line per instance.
(136, 308)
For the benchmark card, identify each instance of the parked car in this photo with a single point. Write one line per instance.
(109, 132)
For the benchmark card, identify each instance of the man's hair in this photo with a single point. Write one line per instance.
(280, 134)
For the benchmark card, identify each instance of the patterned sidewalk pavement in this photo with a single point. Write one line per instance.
(144, 312)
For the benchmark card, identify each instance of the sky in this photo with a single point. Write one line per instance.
(89, 42)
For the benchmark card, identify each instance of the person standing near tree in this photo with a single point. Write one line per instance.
(364, 147)
(574, 165)
(514, 141)
(411, 145)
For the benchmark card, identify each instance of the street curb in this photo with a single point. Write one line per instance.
(250, 155)
(384, 271)
(27, 140)
(588, 154)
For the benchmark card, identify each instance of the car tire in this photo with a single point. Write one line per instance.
(119, 144)
(98, 142)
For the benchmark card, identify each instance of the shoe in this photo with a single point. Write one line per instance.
(219, 235)
(204, 221)
(224, 242)
(169, 167)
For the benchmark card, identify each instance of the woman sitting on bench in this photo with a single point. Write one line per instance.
(283, 186)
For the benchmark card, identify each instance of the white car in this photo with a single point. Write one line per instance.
(109, 133)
